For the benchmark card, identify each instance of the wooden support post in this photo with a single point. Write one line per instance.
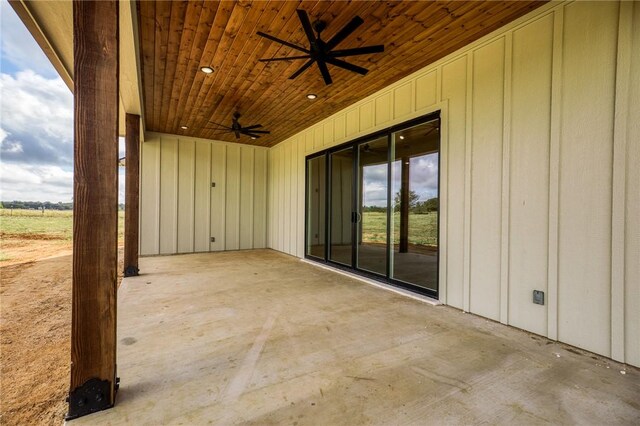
(95, 207)
(404, 206)
(131, 194)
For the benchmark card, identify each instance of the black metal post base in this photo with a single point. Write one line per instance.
(131, 271)
(92, 396)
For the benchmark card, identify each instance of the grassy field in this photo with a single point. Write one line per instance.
(50, 224)
(423, 228)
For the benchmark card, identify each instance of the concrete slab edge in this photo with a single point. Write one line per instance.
(383, 286)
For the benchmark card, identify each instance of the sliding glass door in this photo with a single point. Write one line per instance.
(316, 207)
(372, 205)
(341, 206)
(414, 177)
(373, 202)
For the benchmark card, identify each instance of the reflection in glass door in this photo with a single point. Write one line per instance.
(373, 206)
(341, 206)
(414, 176)
(373, 200)
(316, 199)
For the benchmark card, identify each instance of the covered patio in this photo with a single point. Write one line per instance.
(262, 337)
(520, 132)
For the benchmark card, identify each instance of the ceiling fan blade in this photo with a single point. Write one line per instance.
(261, 132)
(237, 133)
(357, 51)
(219, 125)
(325, 72)
(306, 25)
(286, 43)
(347, 66)
(217, 128)
(344, 32)
(285, 58)
(255, 126)
(302, 69)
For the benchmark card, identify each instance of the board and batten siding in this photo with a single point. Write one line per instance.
(540, 184)
(179, 208)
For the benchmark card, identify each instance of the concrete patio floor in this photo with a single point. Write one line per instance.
(261, 337)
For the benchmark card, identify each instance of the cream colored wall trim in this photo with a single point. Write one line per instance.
(554, 175)
(468, 169)
(618, 202)
(443, 107)
(130, 77)
(632, 205)
(506, 192)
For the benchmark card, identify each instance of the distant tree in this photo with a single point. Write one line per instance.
(377, 209)
(413, 200)
(36, 205)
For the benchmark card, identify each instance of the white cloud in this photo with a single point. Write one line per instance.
(35, 183)
(36, 139)
(36, 118)
(25, 182)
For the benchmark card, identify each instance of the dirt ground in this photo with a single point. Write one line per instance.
(23, 248)
(35, 327)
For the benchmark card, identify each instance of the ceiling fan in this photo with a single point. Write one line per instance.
(322, 52)
(237, 129)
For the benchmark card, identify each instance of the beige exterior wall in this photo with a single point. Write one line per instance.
(180, 210)
(540, 184)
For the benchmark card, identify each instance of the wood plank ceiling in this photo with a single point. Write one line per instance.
(179, 37)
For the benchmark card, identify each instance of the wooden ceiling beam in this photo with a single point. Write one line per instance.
(253, 84)
(177, 39)
(213, 43)
(176, 26)
(228, 60)
(187, 38)
(230, 93)
(208, 14)
(146, 23)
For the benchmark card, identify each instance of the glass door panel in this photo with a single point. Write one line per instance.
(341, 206)
(415, 189)
(316, 199)
(373, 198)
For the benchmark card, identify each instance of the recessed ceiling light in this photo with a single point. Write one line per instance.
(184, 127)
(312, 96)
(206, 70)
(253, 137)
(401, 137)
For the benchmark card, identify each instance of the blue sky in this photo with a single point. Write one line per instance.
(36, 120)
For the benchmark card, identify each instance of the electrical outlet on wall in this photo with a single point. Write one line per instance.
(538, 297)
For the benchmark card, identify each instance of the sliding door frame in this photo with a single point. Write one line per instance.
(354, 144)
